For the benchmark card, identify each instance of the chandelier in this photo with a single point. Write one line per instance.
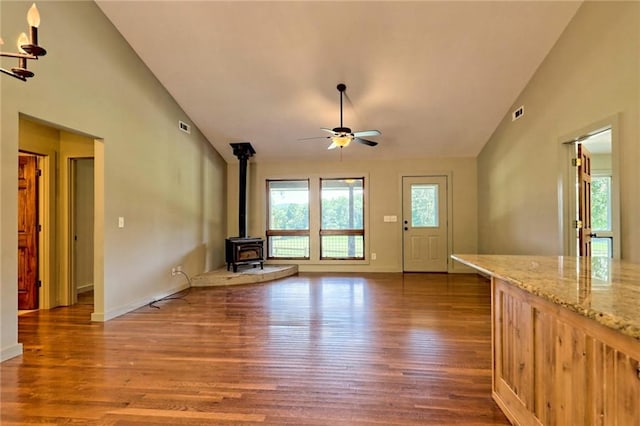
(28, 48)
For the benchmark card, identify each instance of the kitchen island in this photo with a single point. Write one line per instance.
(566, 338)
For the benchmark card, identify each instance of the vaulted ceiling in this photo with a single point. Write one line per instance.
(436, 78)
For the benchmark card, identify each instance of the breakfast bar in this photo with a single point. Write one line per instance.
(566, 338)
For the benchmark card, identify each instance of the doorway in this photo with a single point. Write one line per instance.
(425, 213)
(56, 150)
(591, 199)
(81, 198)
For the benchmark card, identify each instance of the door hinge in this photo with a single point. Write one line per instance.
(38, 283)
(39, 228)
(577, 224)
(576, 162)
(38, 172)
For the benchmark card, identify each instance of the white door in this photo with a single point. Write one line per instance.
(424, 222)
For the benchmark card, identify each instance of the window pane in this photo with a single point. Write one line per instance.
(289, 205)
(424, 205)
(342, 203)
(343, 246)
(601, 247)
(601, 203)
(289, 246)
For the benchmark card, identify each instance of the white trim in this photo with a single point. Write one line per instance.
(11, 352)
(84, 288)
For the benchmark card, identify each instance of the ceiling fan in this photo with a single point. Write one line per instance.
(342, 136)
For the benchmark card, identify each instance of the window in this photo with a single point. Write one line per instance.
(288, 219)
(601, 225)
(342, 218)
(424, 205)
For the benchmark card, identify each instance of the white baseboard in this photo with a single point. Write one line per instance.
(114, 313)
(11, 352)
(84, 288)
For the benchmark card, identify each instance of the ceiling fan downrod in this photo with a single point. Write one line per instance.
(343, 130)
(341, 88)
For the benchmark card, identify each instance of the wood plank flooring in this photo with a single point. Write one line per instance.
(312, 349)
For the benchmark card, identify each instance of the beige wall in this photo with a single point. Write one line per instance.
(591, 74)
(384, 184)
(169, 186)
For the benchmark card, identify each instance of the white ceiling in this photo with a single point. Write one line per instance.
(435, 78)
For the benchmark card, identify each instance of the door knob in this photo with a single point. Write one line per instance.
(593, 235)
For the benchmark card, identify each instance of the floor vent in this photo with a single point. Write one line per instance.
(184, 126)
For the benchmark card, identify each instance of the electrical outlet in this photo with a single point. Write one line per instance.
(373, 256)
(173, 271)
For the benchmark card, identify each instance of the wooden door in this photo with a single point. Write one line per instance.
(424, 210)
(584, 200)
(27, 232)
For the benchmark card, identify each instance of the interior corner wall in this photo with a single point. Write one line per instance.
(591, 73)
(384, 186)
(169, 186)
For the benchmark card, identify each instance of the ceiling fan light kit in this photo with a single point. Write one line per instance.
(342, 136)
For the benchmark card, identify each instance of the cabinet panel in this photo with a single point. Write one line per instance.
(627, 390)
(546, 395)
(516, 359)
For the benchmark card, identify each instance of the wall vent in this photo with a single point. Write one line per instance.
(184, 126)
(517, 113)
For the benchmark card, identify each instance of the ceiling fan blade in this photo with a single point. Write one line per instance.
(315, 137)
(365, 142)
(367, 133)
(332, 146)
(328, 130)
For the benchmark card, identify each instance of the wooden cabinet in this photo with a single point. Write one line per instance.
(552, 366)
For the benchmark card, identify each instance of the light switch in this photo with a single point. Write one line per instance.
(121, 222)
(391, 218)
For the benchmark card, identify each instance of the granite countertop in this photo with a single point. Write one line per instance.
(605, 290)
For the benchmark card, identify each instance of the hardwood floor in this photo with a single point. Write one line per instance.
(313, 349)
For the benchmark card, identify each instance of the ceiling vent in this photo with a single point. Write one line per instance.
(517, 113)
(184, 126)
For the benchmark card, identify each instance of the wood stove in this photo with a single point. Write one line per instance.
(243, 250)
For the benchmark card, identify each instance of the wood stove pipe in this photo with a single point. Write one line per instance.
(244, 151)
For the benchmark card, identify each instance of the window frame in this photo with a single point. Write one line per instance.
(342, 232)
(287, 232)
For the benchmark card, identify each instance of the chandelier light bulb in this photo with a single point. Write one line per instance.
(22, 40)
(33, 16)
